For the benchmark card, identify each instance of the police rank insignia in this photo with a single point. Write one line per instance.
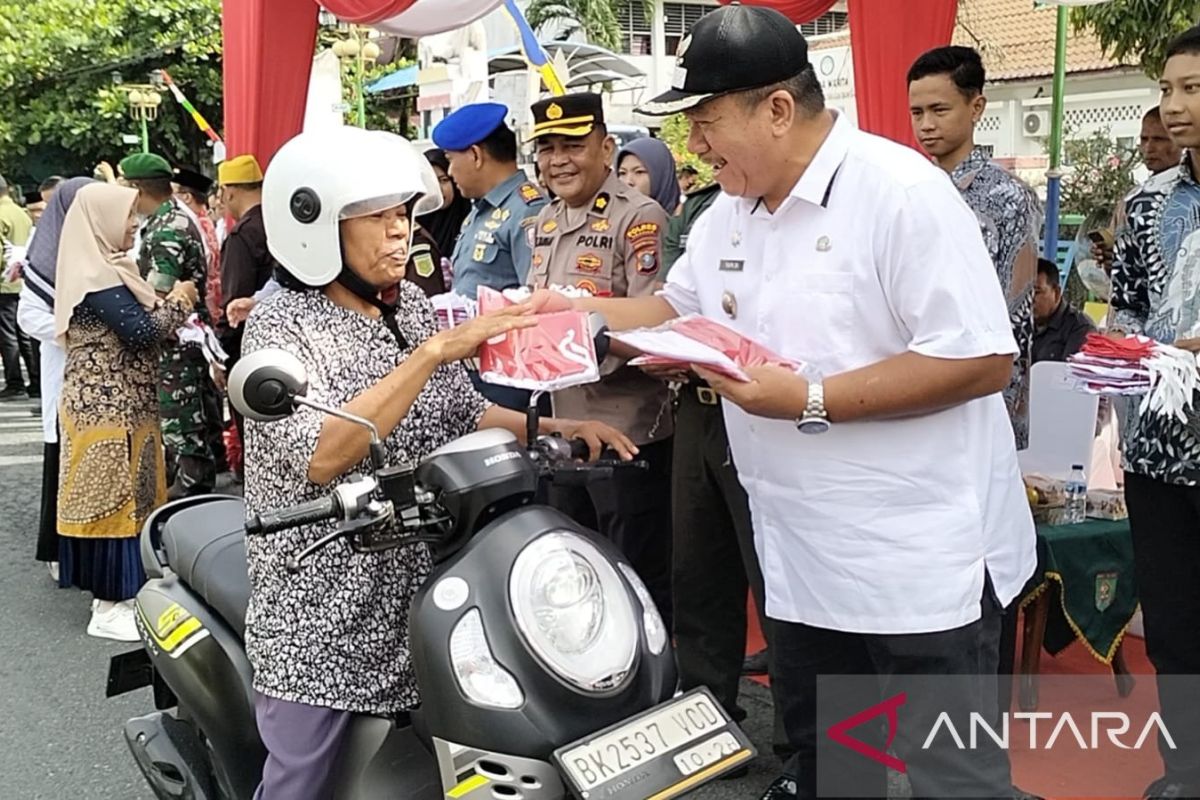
(589, 263)
(530, 193)
(601, 225)
(601, 202)
(549, 226)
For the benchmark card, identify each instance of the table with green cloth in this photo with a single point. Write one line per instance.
(1084, 590)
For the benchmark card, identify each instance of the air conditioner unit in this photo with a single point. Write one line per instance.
(1035, 124)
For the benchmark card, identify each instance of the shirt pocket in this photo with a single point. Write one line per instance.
(819, 307)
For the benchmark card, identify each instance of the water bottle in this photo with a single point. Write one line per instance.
(1076, 491)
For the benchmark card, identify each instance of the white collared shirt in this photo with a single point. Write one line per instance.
(880, 526)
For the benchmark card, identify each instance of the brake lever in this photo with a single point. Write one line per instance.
(377, 515)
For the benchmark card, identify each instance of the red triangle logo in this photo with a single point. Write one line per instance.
(839, 732)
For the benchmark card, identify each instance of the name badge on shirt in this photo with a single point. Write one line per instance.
(732, 265)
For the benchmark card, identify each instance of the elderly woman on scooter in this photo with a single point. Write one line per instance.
(331, 640)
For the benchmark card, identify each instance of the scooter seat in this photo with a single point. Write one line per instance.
(206, 548)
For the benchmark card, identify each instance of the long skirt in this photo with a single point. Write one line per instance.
(47, 541)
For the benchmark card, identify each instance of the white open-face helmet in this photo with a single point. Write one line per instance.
(320, 178)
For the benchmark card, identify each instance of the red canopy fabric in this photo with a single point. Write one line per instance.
(885, 39)
(798, 11)
(267, 61)
(366, 12)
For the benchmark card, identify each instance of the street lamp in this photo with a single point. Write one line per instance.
(360, 50)
(144, 100)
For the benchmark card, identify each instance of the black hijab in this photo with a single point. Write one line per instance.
(444, 224)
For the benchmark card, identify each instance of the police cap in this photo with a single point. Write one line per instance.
(568, 115)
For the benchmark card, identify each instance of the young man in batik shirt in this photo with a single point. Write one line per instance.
(945, 93)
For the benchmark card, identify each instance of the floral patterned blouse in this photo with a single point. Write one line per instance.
(335, 634)
(1156, 292)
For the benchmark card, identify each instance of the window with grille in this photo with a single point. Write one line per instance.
(829, 22)
(678, 19)
(636, 32)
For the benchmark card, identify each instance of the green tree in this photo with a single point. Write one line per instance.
(674, 133)
(1101, 173)
(1137, 30)
(59, 109)
(598, 20)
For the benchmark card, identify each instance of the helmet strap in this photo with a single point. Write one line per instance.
(365, 291)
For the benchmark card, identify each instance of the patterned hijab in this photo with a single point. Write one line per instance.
(91, 253)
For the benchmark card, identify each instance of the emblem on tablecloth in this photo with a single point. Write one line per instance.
(1106, 589)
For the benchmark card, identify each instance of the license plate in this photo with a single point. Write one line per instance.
(658, 754)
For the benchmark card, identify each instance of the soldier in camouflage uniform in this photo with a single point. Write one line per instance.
(172, 250)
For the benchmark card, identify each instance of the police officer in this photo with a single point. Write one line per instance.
(172, 250)
(600, 235)
(493, 249)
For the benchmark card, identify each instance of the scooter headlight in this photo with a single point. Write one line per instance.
(479, 675)
(573, 611)
(652, 621)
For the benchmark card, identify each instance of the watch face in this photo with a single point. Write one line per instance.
(812, 425)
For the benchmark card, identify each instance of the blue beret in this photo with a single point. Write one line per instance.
(469, 125)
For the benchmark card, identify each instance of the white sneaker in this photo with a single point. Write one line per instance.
(113, 621)
(53, 567)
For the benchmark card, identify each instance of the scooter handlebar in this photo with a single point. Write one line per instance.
(294, 516)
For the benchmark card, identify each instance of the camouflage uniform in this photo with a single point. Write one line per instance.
(173, 250)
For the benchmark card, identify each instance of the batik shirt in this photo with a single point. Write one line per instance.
(1007, 210)
(1156, 292)
(335, 633)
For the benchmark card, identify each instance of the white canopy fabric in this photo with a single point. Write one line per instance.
(428, 17)
(587, 64)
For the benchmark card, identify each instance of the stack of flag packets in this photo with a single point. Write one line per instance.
(1165, 376)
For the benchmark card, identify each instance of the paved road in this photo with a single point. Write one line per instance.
(59, 736)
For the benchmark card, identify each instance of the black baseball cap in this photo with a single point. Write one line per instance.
(732, 49)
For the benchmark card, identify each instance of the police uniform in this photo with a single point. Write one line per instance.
(493, 249)
(172, 250)
(612, 246)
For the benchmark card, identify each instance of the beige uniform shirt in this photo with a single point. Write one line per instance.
(612, 249)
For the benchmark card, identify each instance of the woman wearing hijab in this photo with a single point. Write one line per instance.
(111, 324)
(35, 315)
(647, 165)
(444, 224)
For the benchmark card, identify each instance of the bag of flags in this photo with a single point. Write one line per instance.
(1165, 376)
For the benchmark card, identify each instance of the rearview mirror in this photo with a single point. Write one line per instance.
(264, 385)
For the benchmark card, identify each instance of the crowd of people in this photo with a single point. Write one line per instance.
(872, 506)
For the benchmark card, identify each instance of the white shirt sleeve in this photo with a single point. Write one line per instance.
(269, 288)
(939, 280)
(680, 290)
(35, 317)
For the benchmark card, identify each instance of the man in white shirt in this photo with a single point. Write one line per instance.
(892, 536)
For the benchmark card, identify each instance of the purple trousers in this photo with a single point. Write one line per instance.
(303, 746)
